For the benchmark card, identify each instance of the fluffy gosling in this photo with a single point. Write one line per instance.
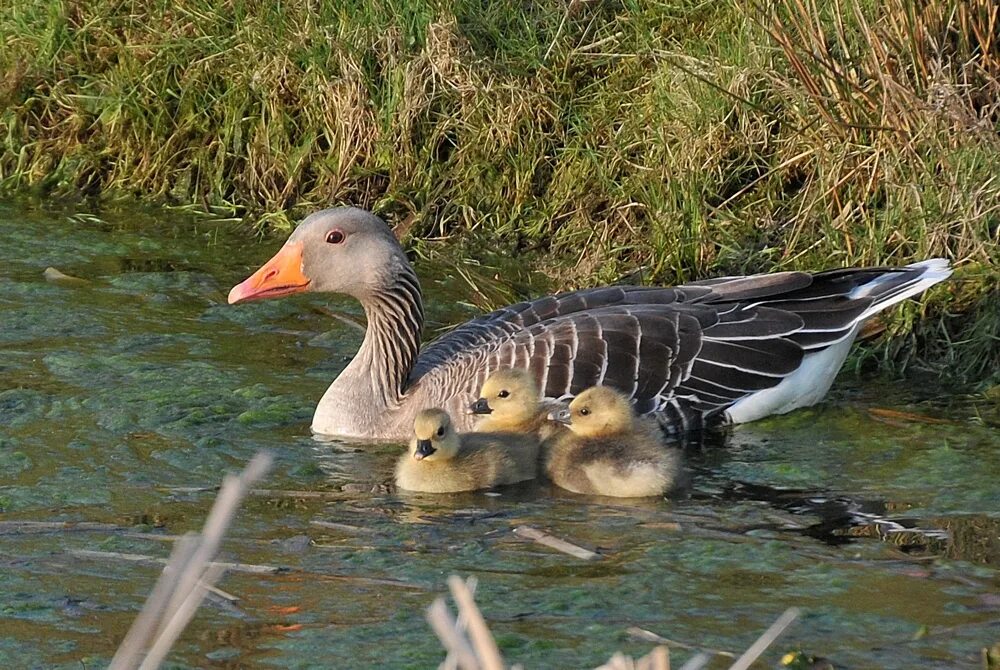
(510, 403)
(607, 451)
(440, 460)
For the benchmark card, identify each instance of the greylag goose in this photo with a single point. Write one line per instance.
(441, 461)
(607, 452)
(510, 403)
(732, 349)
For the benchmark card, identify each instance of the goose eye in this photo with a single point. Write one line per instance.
(335, 236)
(440, 432)
(503, 394)
(585, 411)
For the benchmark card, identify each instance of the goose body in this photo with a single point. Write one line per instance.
(607, 452)
(441, 461)
(732, 349)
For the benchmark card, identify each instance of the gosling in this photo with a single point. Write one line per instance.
(510, 403)
(607, 451)
(440, 460)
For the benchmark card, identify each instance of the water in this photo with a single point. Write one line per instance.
(121, 396)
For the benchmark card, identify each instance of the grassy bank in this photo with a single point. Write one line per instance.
(688, 138)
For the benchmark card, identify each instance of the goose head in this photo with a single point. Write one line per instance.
(340, 250)
(508, 395)
(599, 411)
(434, 438)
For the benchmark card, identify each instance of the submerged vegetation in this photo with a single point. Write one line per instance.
(685, 138)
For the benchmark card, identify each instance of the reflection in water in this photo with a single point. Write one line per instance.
(124, 400)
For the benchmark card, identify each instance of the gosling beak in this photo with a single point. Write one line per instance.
(481, 407)
(282, 275)
(424, 449)
(560, 416)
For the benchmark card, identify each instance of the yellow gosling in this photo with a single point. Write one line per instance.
(607, 451)
(440, 460)
(510, 403)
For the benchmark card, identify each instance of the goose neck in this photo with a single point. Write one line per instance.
(367, 397)
(392, 339)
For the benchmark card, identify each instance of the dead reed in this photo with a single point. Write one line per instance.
(187, 578)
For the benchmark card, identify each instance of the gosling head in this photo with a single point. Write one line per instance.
(599, 411)
(434, 438)
(509, 395)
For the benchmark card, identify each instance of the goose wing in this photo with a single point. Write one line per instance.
(489, 330)
(686, 353)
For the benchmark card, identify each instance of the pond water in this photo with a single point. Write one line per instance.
(125, 397)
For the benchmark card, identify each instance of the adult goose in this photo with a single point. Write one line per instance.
(732, 349)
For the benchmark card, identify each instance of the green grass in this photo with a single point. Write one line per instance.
(684, 137)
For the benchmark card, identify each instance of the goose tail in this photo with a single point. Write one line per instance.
(809, 383)
(892, 287)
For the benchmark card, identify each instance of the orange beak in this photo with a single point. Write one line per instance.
(282, 275)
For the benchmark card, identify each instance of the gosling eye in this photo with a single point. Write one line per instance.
(503, 394)
(335, 236)
(440, 432)
(585, 411)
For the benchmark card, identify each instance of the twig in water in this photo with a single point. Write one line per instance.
(553, 542)
(261, 493)
(153, 560)
(344, 527)
(188, 489)
(38, 527)
(181, 587)
(278, 493)
(57, 276)
(766, 639)
(225, 595)
(309, 495)
(143, 559)
(650, 636)
(369, 581)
